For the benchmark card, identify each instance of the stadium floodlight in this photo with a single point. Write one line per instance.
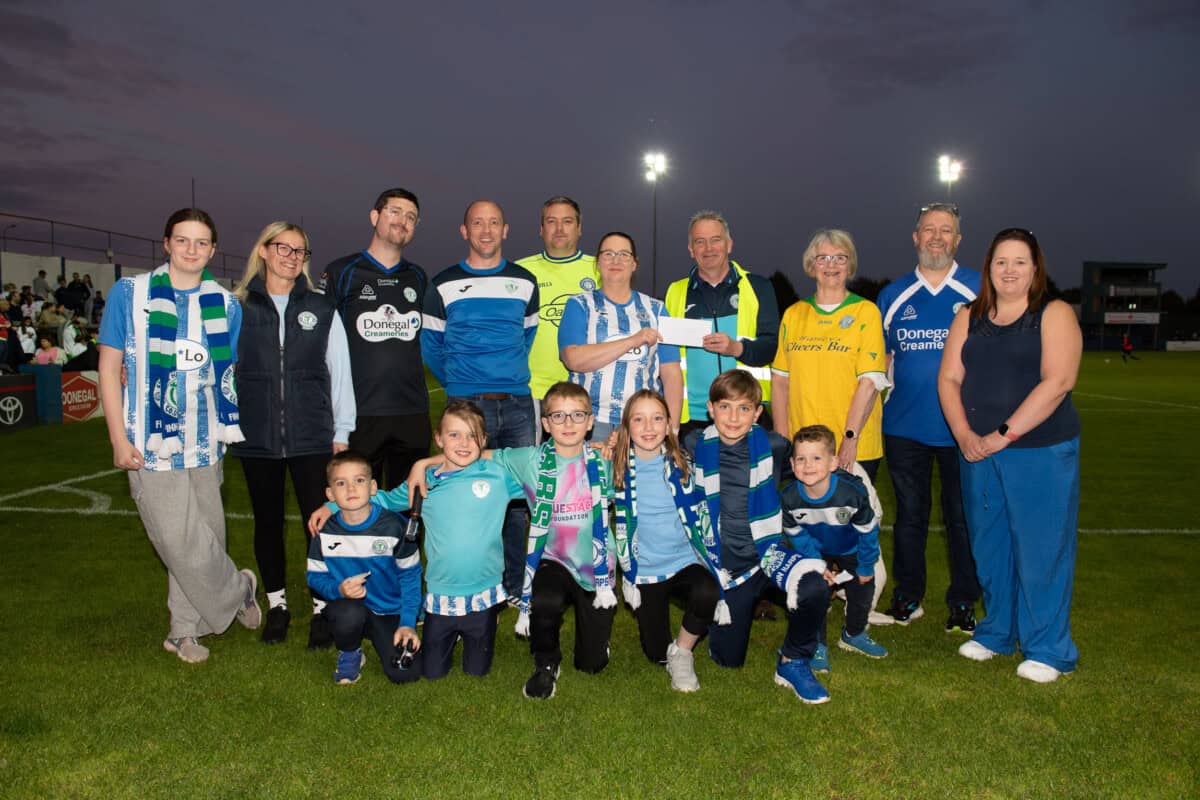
(949, 171)
(656, 166)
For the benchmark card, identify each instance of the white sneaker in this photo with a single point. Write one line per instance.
(975, 651)
(1037, 672)
(877, 618)
(187, 648)
(681, 666)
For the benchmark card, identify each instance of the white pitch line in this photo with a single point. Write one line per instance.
(59, 485)
(1136, 400)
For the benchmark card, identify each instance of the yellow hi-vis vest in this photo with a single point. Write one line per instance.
(747, 328)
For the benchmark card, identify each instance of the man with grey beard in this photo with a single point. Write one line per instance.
(917, 311)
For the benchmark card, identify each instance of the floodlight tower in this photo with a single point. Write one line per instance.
(949, 171)
(656, 167)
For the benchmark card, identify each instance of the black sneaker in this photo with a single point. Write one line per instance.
(278, 619)
(905, 611)
(541, 683)
(962, 620)
(320, 636)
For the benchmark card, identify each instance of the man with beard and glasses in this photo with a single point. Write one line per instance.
(917, 310)
(379, 295)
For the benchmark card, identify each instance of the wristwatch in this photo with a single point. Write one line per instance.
(1003, 431)
(849, 434)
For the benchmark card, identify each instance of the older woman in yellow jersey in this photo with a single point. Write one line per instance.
(830, 365)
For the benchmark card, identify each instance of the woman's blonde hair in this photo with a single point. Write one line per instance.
(254, 263)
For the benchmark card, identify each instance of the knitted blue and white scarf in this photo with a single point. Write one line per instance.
(766, 519)
(539, 527)
(692, 508)
(163, 423)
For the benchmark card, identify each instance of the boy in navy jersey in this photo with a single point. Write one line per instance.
(361, 558)
(827, 515)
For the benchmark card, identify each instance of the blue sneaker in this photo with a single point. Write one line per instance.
(797, 675)
(349, 666)
(862, 643)
(820, 660)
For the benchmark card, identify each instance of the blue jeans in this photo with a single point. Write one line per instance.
(910, 464)
(509, 423)
(1022, 508)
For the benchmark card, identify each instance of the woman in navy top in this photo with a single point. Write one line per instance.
(1010, 362)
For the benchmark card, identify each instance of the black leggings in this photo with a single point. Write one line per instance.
(697, 585)
(265, 479)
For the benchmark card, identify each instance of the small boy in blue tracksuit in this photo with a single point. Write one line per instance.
(827, 515)
(361, 563)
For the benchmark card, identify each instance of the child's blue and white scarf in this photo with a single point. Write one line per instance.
(163, 424)
(539, 526)
(692, 508)
(766, 519)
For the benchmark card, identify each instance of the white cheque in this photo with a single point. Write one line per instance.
(686, 332)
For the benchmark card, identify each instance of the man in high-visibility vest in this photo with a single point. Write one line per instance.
(741, 306)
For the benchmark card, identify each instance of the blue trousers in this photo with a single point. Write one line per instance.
(509, 422)
(1022, 507)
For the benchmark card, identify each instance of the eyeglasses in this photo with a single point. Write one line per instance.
(409, 217)
(559, 417)
(840, 259)
(285, 250)
(949, 208)
(619, 256)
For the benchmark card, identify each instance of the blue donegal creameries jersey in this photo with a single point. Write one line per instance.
(916, 321)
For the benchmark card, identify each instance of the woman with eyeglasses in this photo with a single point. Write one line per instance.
(296, 398)
(1010, 362)
(609, 340)
(830, 365)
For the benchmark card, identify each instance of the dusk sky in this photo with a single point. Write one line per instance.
(1078, 120)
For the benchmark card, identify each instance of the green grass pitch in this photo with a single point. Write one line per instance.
(91, 706)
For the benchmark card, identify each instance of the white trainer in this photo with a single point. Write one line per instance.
(1037, 672)
(681, 666)
(975, 651)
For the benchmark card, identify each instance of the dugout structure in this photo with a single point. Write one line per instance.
(1119, 297)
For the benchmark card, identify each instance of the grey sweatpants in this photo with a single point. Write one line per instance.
(185, 520)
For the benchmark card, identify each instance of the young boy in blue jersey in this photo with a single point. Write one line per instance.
(463, 514)
(739, 465)
(361, 562)
(827, 515)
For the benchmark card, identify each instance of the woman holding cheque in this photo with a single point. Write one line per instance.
(609, 340)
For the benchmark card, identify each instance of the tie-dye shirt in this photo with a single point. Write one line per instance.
(569, 539)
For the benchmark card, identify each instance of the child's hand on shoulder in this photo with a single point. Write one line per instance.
(318, 520)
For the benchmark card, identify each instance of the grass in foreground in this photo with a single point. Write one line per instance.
(90, 706)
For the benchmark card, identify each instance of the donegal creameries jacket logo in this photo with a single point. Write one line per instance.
(387, 323)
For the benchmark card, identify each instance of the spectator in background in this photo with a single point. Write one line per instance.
(47, 353)
(75, 336)
(41, 286)
(27, 335)
(97, 308)
(50, 320)
(61, 293)
(91, 296)
(5, 330)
